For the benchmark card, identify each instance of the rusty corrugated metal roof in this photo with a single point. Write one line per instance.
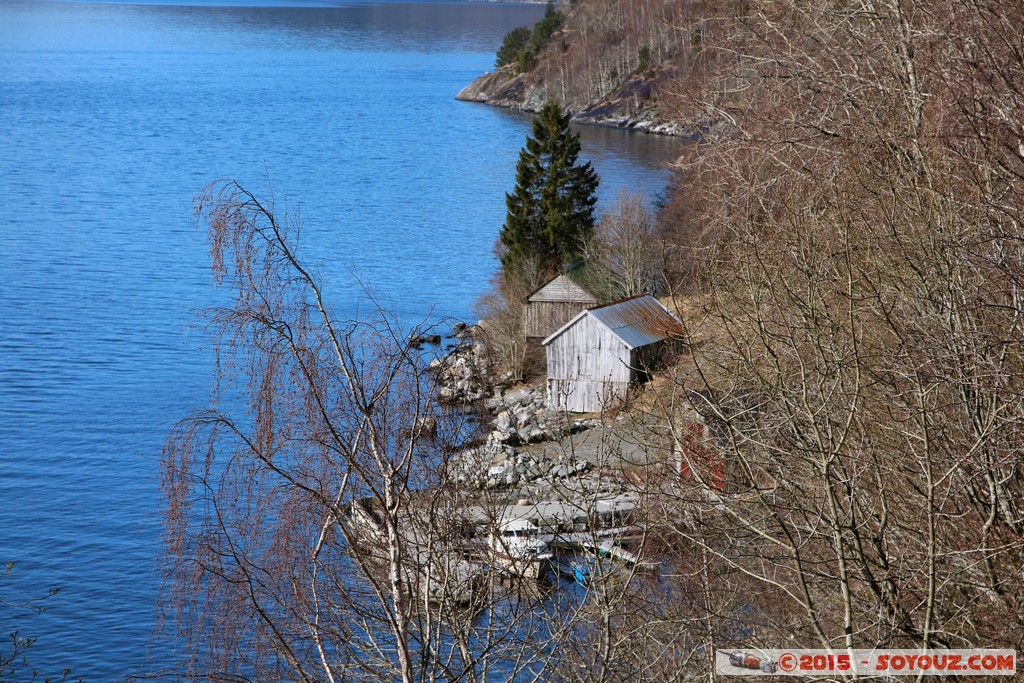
(636, 321)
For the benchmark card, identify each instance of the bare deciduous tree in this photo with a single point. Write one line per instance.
(311, 529)
(624, 247)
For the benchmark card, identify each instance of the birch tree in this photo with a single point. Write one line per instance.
(317, 424)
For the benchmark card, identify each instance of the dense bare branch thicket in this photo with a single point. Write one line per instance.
(856, 253)
(502, 330)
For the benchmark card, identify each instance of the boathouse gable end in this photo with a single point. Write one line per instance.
(548, 308)
(593, 358)
(587, 367)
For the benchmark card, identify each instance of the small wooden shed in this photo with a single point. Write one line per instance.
(594, 357)
(553, 305)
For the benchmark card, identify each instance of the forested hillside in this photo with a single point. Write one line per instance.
(785, 95)
(848, 243)
(607, 61)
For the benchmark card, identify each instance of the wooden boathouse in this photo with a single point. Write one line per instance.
(554, 304)
(594, 358)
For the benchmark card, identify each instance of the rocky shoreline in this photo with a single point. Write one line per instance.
(633, 106)
(520, 419)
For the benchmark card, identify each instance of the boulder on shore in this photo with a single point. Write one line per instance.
(462, 374)
(520, 418)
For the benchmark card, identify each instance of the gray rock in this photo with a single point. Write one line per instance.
(523, 416)
(516, 394)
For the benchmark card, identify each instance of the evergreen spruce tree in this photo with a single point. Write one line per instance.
(551, 211)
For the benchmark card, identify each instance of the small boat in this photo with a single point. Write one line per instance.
(581, 572)
(575, 568)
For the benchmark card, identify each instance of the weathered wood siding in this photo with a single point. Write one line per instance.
(553, 305)
(589, 368)
(541, 318)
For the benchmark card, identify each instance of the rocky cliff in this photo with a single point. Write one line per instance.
(633, 104)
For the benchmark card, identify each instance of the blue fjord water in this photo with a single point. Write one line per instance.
(112, 117)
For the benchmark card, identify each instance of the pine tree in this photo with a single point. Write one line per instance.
(514, 42)
(551, 212)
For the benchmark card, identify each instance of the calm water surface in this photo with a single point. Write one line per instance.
(112, 117)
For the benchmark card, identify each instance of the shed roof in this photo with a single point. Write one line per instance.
(562, 288)
(637, 321)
